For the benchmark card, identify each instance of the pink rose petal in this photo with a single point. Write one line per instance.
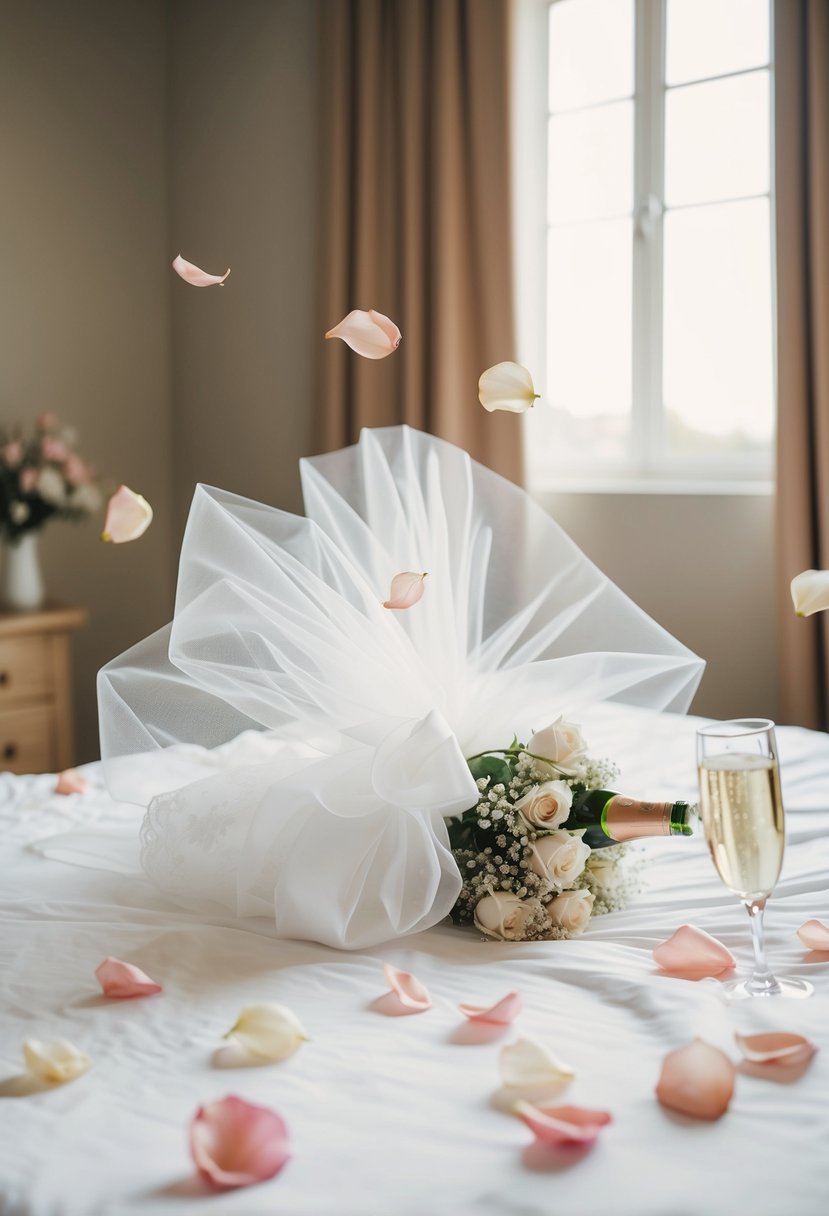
(370, 334)
(235, 1143)
(121, 980)
(408, 990)
(501, 1013)
(406, 589)
(693, 953)
(697, 1080)
(778, 1047)
(563, 1126)
(129, 515)
(70, 781)
(195, 276)
(814, 935)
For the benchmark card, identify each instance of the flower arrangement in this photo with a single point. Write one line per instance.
(43, 477)
(526, 876)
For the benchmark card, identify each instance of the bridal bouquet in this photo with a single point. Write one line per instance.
(526, 877)
(41, 477)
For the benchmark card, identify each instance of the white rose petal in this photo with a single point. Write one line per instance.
(810, 592)
(571, 910)
(506, 386)
(57, 1061)
(269, 1031)
(526, 1063)
(505, 916)
(546, 805)
(559, 857)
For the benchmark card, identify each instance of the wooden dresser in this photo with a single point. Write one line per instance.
(36, 734)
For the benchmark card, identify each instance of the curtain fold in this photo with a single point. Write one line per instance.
(416, 217)
(802, 206)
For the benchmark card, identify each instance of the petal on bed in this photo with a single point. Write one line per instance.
(693, 953)
(778, 1047)
(697, 1080)
(406, 589)
(57, 1061)
(814, 935)
(235, 1143)
(500, 1014)
(408, 989)
(70, 781)
(129, 515)
(370, 334)
(269, 1031)
(563, 1126)
(121, 980)
(526, 1063)
(195, 276)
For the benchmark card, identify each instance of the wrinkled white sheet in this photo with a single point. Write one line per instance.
(399, 1116)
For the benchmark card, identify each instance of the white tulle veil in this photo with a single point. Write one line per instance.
(299, 746)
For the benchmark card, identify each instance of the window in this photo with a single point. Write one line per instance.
(648, 324)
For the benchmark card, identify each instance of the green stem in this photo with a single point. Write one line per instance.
(512, 751)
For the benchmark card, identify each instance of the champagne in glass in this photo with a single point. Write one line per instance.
(742, 814)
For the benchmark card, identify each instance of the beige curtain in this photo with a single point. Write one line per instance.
(802, 187)
(416, 216)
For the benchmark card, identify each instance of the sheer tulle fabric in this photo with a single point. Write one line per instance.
(298, 745)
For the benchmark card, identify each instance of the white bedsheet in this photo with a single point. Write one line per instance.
(400, 1116)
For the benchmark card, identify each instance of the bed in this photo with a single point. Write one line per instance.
(404, 1115)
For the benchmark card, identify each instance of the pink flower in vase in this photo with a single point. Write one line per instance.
(75, 470)
(12, 453)
(47, 422)
(28, 480)
(54, 449)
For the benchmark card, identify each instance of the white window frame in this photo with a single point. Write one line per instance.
(651, 469)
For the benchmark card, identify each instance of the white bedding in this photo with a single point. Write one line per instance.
(399, 1116)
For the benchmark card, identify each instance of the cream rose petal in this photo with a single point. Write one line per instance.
(56, 1061)
(370, 334)
(235, 1143)
(70, 781)
(121, 981)
(810, 592)
(268, 1031)
(693, 953)
(697, 1080)
(500, 1014)
(814, 935)
(408, 989)
(128, 516)
(406, 589)
(777, 1047)
(563, 1126)
(506, 386)
(527, 1063)
(195, 276)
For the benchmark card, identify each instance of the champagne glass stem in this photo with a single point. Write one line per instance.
(762, 981)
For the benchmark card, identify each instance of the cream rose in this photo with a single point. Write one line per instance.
(546, 805)
(571, 910)
(561, 743)
(505, 916)
(607, 875)
(51, 487)
(559, 857)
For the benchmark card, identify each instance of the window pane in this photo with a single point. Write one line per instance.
(589, 328)
(713, 37)
(590, 169)
(718, 328)
(717, 139)
(591, 52)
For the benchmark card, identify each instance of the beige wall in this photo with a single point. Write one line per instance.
(84, 302)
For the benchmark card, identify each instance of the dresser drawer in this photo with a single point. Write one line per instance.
(27, 740)
(25, 670)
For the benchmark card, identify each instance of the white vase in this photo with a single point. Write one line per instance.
(21, 579)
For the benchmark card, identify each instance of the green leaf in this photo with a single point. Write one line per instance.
(492, 766)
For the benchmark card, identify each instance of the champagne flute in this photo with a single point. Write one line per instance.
(742, 814)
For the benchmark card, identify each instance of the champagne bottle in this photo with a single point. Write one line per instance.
(611, 818)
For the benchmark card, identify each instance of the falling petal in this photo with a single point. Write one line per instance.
(195, 276)
(235, 1143)
(408, 990)
(814, 935)
(57, 1061)
(562, 1126)
(693, 953)
(406, 589)
(776, 1048)
(527, 1063)
(269, 1031)
(506, 386)
(128, 516)
(369, 334)
(70, 781)
(810, 592)
(697, 1080)
(122, 980)
(501, 1013)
